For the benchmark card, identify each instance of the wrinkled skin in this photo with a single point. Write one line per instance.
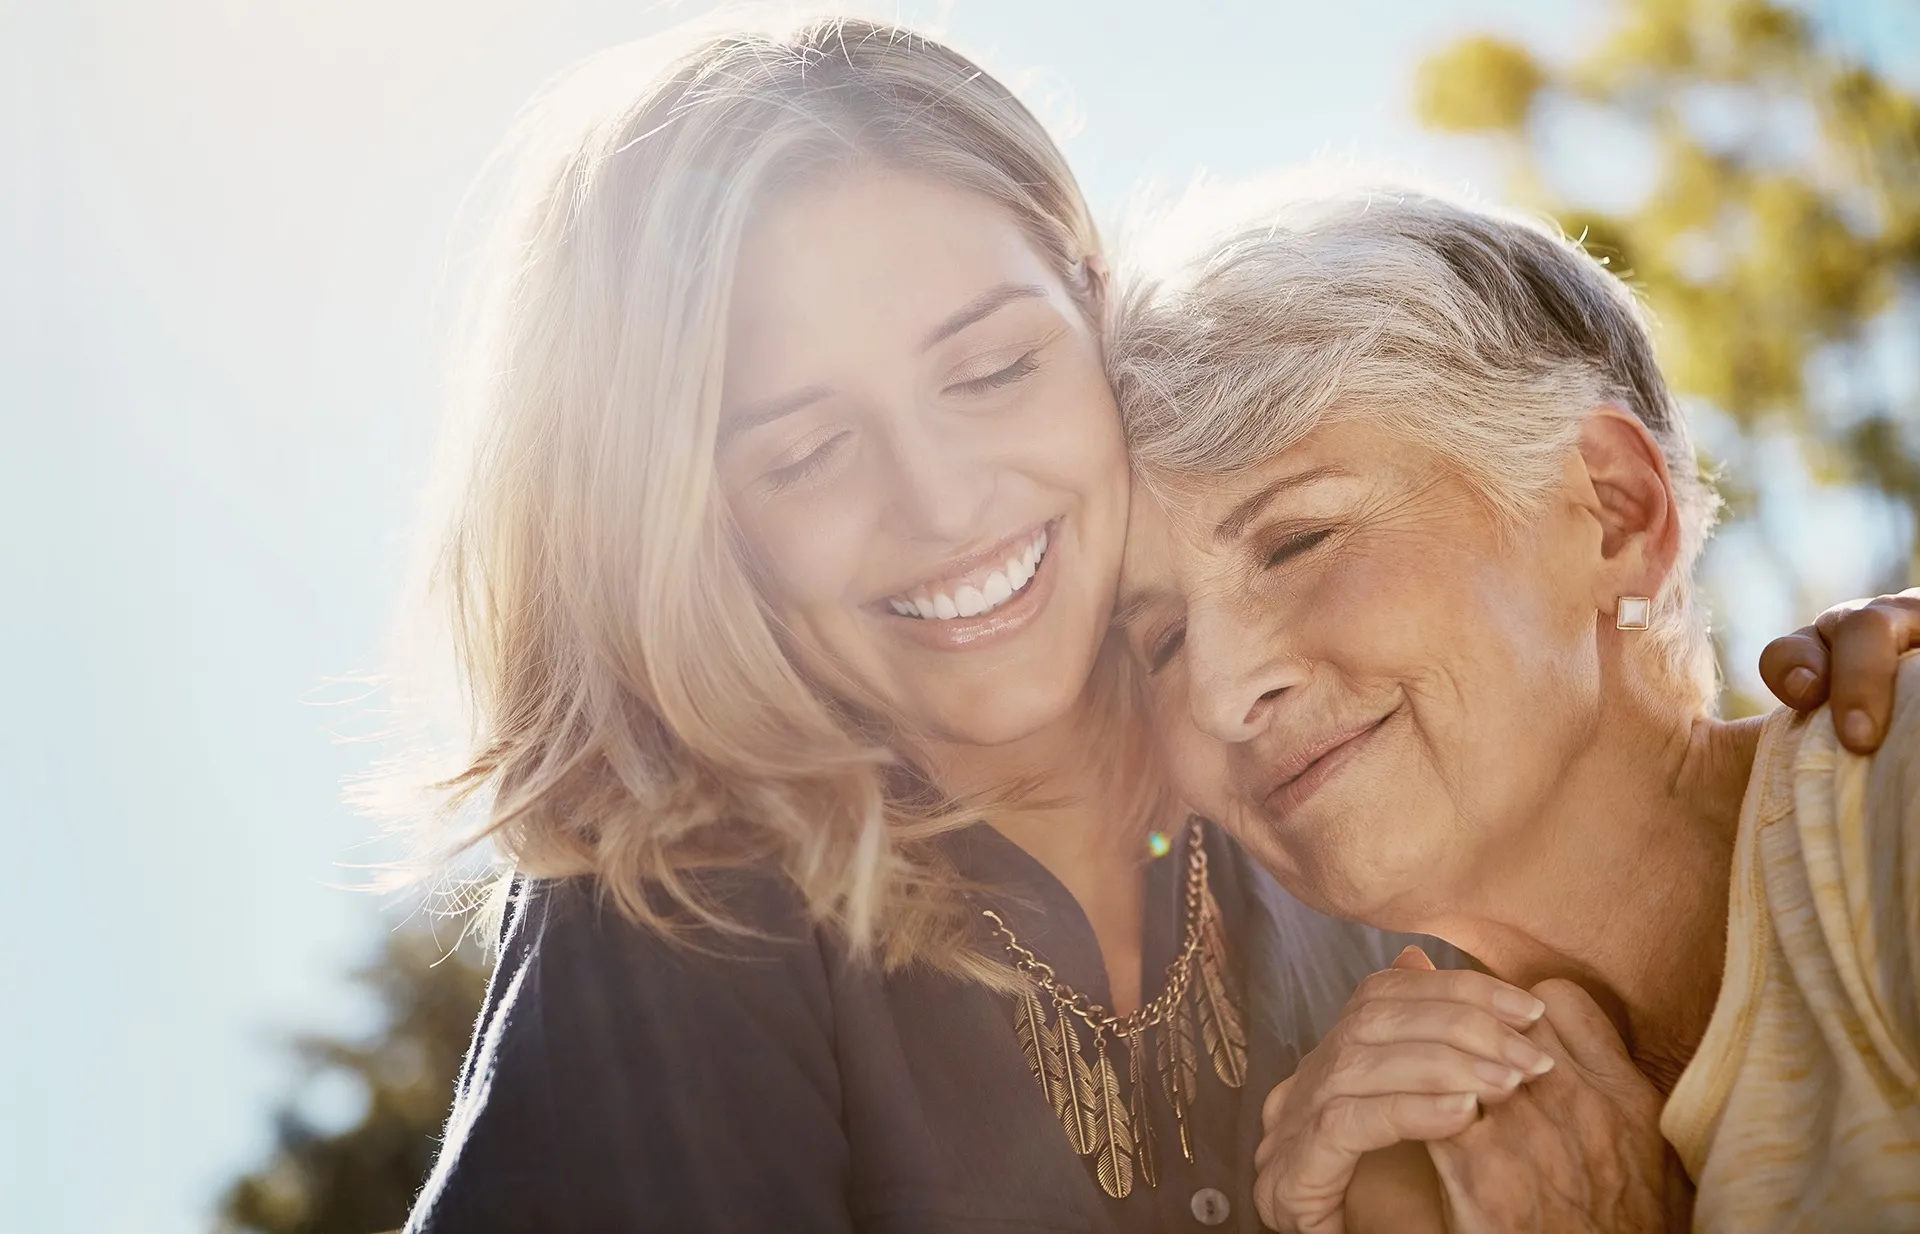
(1578, 1148)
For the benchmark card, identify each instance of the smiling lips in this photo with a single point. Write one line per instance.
(978, 591)
(1299, 775)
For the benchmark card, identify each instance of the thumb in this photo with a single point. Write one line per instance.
(1413, 958)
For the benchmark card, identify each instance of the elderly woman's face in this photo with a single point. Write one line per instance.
(1355, 672)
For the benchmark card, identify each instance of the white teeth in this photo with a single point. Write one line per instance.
(970, 601)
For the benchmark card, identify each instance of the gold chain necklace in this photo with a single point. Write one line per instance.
(1086, 1096)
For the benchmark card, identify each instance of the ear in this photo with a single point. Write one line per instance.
(1628, 492)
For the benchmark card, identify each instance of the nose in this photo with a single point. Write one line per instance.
(1239, 668)
(942, 489)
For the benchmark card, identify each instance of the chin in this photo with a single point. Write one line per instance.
(1009, 709)
(1391, 887)
(1335, 857)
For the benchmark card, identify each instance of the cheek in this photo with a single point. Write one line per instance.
(1076, 424)
(1197, 764)
(810, 552)
(1502, 687)
(1386, 616)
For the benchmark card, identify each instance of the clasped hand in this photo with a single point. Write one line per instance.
(1532, 1115)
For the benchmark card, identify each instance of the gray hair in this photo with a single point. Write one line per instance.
(1484, 335)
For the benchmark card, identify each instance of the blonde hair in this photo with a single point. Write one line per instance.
(637, 718)
(1486, 336)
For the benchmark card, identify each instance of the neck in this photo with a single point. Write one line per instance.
(1620, 880)
(1081, 809)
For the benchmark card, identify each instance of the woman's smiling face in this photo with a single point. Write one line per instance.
(920, 447)
(1355, 670)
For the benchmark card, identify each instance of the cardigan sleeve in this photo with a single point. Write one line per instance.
(619, 1082)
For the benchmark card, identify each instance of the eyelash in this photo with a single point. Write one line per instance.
(1169, 644)
(993, 381)
(1164, 650)
(1296, 544)
(780, 479)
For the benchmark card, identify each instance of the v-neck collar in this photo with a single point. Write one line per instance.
(1048, 921)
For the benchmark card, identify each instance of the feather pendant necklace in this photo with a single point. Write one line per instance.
(1197, 1009)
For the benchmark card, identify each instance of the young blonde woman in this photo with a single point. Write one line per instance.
(790, 530)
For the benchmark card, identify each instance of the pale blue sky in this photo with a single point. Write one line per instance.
(222, 232)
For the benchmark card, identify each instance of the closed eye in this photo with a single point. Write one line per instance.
(1296, 544)
(1166, 647)
(1003, 377)
(805, 468)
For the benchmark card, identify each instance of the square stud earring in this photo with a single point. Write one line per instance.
(1632, 612)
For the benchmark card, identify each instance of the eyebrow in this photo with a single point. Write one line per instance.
(981, 306)
(1131, 605)
(1230, 527)
(753, 415)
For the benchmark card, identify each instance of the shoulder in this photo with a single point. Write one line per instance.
(1893, 774)
(1903, 739)
(1836, 837)
(577, 955)
(551, 915)
(1802, 769)
(615, 1071)
(1877, 802)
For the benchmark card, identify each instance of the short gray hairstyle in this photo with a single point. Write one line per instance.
(1485, 335)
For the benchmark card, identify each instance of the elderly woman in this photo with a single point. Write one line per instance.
(1414, 587)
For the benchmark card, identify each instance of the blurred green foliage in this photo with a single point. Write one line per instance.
(363, 1178)
(1783, 225)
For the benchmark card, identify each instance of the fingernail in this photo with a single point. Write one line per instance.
(1799, 681)
(1457, 1103)
(1506, 1079)
(1519, 1004)
(1528, 1057)
(1857, 728)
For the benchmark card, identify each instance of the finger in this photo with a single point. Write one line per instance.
(1318, 1172)
(1460, 985)
(1421, 1067)
(1355, 1125)
(1867, 643)
(1583, 1030)
(1461, 1026)
(1413, 959)
(1796, 668)
(1276, 1102)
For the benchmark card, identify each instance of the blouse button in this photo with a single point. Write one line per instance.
(1210, 1207)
